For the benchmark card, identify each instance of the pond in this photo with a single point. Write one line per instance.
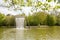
(49, 33)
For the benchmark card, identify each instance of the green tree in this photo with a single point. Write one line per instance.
(49, 0)
(2, 18)
(51, 20)
(10, 20)
(58, 19)
(41, 17)
(36, 19)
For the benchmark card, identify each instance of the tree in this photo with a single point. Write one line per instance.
(51, 20)
(41, 17)
(10, 20)
(2, 18)
(49, 0)
(58, 19)
(36, 19)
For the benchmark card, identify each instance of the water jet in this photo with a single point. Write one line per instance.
(19, 22)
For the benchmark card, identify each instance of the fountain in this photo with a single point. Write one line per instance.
(19, 27)
(20, 22)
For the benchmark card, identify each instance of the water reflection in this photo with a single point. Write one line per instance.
(32, 34)
(19, 34)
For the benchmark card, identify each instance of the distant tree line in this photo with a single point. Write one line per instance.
(42, 18)
(7, 20)
(35, 19)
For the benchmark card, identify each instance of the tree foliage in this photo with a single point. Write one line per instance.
(58, 19)
(51, 20)
(2, 18)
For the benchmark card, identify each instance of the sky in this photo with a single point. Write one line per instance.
(5, 10)
(26, 10)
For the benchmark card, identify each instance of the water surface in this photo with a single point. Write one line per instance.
(49, 33)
